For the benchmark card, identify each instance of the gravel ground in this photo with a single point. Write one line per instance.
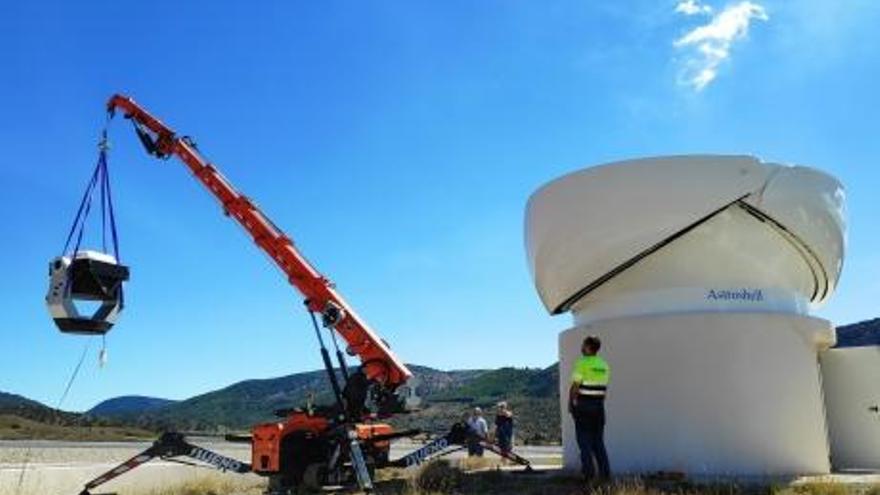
(49, 451)
(53, 467)
(49, 468)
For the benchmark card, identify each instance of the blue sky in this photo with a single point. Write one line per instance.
(397, 143)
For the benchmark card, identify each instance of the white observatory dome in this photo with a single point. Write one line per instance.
(698, 273)
(682, 233)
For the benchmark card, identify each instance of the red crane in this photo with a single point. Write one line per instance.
(314, 446)
(307, 443)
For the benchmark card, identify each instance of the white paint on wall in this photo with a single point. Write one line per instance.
(851, 378)
(708, 393)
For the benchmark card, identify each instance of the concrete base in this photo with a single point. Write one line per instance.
(708, 393)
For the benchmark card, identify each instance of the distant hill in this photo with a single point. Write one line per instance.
(12, 404)
(127, 405)
(447, 394)
(531, 393)
(859, 334)
(23, 418)
(8, 401)
(496, 385)
(251, 401)
(14, 427)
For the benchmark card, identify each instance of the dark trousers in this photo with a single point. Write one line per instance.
(504, 440)
(589, 424)
(475, 448)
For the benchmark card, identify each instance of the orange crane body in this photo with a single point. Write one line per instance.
(379, 363)
(285, 450)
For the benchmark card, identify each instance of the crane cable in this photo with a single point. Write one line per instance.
(100, 181)
(29, 452)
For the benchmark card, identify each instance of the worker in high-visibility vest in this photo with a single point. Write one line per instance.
(586, 398)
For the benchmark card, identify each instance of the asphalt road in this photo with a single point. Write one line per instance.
(50, 467)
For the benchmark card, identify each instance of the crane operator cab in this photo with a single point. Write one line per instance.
(87, 277)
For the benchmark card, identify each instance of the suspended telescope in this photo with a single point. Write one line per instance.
(80, 279)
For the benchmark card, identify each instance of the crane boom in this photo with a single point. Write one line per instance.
(379, 364)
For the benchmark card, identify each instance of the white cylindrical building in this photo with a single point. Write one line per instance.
(698, 273)
(851, 376)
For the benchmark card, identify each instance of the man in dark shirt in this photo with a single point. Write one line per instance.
(504, 427)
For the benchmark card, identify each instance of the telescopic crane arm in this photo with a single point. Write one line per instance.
(379, 364)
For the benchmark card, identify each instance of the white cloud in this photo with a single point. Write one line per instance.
(709, 44)
(692, 7)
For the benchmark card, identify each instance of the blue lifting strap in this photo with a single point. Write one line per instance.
(100, 181)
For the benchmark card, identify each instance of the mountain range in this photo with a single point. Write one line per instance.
(446, 394)
(126, 404)
(531, 392)
(859, 334)
(12, 404)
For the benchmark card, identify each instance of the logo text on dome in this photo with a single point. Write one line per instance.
(735, 295)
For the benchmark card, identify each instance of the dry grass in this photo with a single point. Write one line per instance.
(438, 477)
(443, 477)
(827, 488)
(478, 477)
(208, 485)
(17, 428)
(471, 464)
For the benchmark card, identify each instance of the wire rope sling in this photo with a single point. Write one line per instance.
(81, 278)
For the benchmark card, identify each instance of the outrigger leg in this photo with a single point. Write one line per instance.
(167, 447)
(452, 442)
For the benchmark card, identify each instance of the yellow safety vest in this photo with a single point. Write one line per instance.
(591, 374)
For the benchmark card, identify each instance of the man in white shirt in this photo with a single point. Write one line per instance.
(479, 430)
